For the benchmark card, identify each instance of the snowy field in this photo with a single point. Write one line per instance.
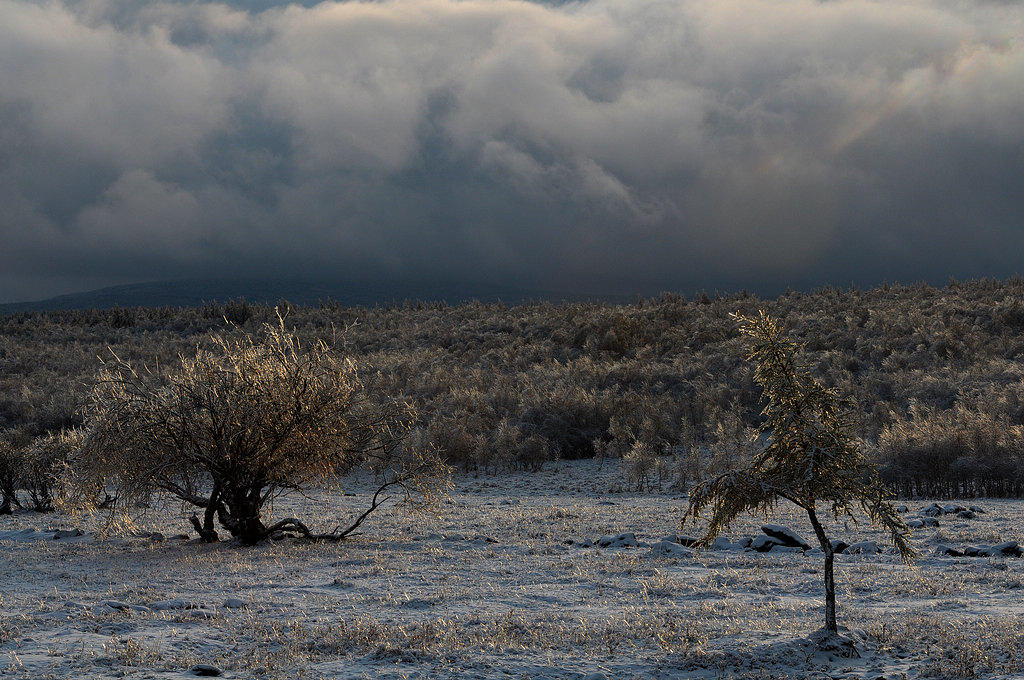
(498, 584)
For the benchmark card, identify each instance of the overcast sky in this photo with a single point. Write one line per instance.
(597, 146)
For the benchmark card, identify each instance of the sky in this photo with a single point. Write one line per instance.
(601, 146)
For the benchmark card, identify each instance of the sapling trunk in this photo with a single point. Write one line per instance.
(830, 579)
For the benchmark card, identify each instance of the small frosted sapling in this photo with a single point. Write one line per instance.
(810, 459)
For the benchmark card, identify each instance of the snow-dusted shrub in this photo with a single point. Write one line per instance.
(452, 439)
(43, 463)
(959, 452)
(33, 466)
(230, 428)
(730, 441)
(639, 464)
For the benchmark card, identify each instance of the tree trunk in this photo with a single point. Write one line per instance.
(206, 530)
(242, 517)
(830, 580)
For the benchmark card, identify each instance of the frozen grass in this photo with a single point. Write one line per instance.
(491, 587)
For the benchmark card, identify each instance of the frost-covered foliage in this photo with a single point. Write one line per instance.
(811, 458)
(230, 428)
(45, 461)
(957, 452)
(32, 466)
(588, 378)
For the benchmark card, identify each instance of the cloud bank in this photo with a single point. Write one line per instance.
(604, 145)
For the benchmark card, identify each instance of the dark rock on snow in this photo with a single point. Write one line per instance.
(205, 670)
(785, 536)
(763, 543)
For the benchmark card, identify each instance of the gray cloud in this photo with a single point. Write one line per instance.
(639, 145)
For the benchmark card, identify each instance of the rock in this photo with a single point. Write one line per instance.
(1009, 548)
(966, 514)
(863, 548)
(682, 539)
(624, 540)
(789, 549)
(952, 509)
(933, 510)
(1006, 549)
(235, 603)
(157, 537)
(763, 543)
(723, 543)
(902, 509)
(67, 533)
(923, 522)
(976, 509)
(205, 670)
(587, 544)
(840, 546)
(670, 549)
(943, 550)
(785, 536)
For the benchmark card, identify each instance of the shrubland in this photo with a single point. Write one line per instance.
(936, 376)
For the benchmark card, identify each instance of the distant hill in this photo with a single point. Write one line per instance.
(257, 291)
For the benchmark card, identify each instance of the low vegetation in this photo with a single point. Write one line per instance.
(660, 383)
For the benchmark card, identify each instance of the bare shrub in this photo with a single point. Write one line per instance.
(231, 428)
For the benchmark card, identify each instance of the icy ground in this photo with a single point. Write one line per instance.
(497, 585)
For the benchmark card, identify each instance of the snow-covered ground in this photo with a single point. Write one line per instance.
(497, 584)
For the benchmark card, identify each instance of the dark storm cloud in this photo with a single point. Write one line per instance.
(648, 143)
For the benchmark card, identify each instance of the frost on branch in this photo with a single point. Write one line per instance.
(232, 427)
